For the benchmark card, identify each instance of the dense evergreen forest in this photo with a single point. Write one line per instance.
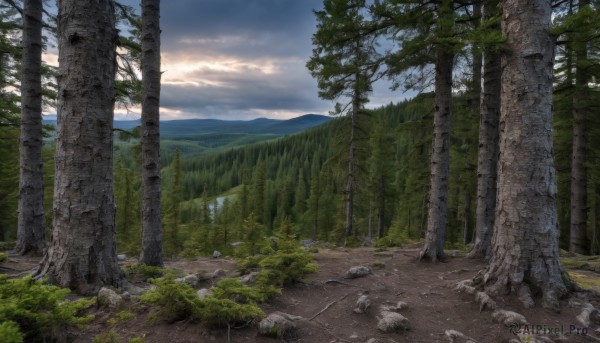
(498, 150)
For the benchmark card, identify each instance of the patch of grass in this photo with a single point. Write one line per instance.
(140, 271)
(121, 317)
(591, 263)
(3, 257)
(585, 281)
(108, 337)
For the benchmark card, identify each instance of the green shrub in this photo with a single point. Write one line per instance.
(108, 337)
(2, 257)
(222, 312)
(288, 266)
(396, 237)
(246, 264)
(39, 310)
(177, 301)
(234, 289)
(10, 333)
(121, 317)
(231, 302)
(135, 340)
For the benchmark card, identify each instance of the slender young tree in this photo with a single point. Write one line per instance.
(82, 254)
(525, 244)
(345, 63)
(487, 158)
(30, 231)
(152, 249)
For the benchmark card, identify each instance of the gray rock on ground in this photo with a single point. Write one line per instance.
(277, 324)
(400, 306)
(508, 318)
(392, 322)
(458, 337)
(218, 273)
(121, 257)
(362, 304)
(356, 272)
(191, 280)
(249, 278)
(204, 292)
(589, 315)
(109, 298)
(216, 254)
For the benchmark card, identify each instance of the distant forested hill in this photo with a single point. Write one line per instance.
(200, 136)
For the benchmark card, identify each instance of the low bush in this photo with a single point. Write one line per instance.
(2, 257)
(176, 301)
(230, 303)
(39, 311)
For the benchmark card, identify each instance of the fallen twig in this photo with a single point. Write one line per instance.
(328, 306)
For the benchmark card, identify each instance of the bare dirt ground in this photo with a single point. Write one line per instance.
(326, 301)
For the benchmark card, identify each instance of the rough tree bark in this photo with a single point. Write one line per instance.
(350, 187)
(82, 254)
(487, 159)
(525, 255)
(30, 231)
(579, 206)
(433, 250)
(152, 250)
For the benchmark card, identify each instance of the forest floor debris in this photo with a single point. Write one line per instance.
(435, 305)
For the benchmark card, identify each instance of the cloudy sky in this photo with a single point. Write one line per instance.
(240, 59)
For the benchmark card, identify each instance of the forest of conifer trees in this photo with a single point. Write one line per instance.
(450, 168)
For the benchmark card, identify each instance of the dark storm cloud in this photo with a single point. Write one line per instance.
(238, 58)
(263, 21)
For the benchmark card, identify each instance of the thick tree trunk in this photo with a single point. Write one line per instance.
(152, 250)
(440, 158)
(579, 205)
(487, 159)
(82, 254)
(525, 257)
(30, 231)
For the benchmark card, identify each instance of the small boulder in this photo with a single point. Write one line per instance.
(204, 292)
(249, 278)
(218, 273)
(216, 254)
(509, 318)
(121, 257)
(109, 298)
(392, 321)
(191, 280)
(589, 315)
(356, 272)
(362, 304)
(458, 337)
(277, 324)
